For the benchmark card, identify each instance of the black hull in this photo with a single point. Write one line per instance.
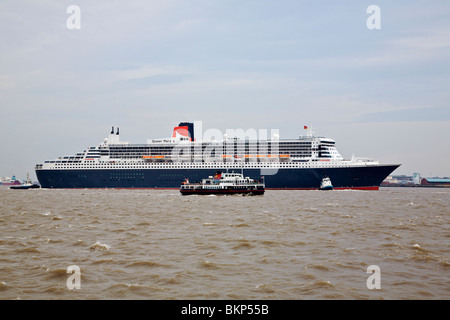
(25, 187)
(352, 177)
(220, 192)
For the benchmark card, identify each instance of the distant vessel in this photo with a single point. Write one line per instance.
(10, 181)
(325, 184)
(163, 163)
(224, 184)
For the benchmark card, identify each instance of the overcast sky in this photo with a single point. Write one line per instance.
(147, 65)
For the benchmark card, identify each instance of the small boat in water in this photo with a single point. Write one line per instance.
(26, 186)
(224, 183)
(325, 184)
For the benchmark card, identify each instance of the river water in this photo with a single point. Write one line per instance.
(290, 245)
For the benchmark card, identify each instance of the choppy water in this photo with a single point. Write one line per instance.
(157, 244)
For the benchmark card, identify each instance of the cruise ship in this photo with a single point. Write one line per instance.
(299, 163)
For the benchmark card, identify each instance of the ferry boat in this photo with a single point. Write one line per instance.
(224, 183)
(299, 163)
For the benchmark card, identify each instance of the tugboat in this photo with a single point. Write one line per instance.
(224, 183)
(325, 184)
(27, 185)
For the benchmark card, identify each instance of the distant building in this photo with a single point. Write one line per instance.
(435, 182)
(401, 180)
(416, 178)
(415, 181)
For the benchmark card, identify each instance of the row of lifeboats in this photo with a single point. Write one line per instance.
(227, 156)
(259, 156)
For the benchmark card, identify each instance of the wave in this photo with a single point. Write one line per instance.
(270, 243)
(145, 264)
(243, 244)
(29, 250)
(57, 273)
(418, 247)
(311, 209)
(139, 289)
(209, 265)
(317, 267)
(48, 240)
(99, 246)
(3, 286)
(239, 225)
(426, 255)
(103, 261)
(170, 281)
(323, 283)
(265, 288)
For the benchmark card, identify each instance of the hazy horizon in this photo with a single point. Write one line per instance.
(145, 66)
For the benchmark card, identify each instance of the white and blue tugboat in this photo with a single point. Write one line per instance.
(326, 184)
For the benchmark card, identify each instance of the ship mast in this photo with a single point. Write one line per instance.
(309, 131)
